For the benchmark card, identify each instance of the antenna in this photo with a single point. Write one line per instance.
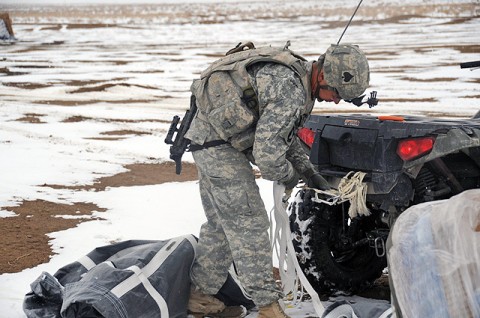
(348, 24)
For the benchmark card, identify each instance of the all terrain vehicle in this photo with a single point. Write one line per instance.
(406, 160)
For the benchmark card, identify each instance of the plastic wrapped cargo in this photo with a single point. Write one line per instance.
(434, 258)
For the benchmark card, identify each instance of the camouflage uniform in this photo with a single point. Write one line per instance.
(237, 222)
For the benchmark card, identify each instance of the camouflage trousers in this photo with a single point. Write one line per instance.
(236, 227)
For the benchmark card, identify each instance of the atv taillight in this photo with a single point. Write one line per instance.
(412, 148)
(307, 136)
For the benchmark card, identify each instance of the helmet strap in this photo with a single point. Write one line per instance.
(316, 79)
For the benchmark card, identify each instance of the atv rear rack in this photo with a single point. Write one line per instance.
(330, 197)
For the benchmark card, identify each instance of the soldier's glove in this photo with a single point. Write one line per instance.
(313, 179)
(292, 181)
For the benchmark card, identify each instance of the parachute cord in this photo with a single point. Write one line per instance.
(351, 188)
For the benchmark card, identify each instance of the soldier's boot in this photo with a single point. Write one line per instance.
(274, 310)
(201, 305)
(228, 312)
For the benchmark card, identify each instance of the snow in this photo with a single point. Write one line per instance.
(414, 67)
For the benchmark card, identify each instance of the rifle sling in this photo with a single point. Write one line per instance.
(208, 144)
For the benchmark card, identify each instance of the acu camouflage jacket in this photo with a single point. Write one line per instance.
(255, 100)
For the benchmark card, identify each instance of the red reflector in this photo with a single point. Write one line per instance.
(412, 148)
(307, 136)
(389, 117)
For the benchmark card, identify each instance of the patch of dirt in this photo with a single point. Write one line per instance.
(140, 174)
(54, 43)
(90, 82)
(428, 80)
(392, 69)
(6, 71)
(118, 134)
(474, 48)
(26, 85)
(105, 138)
(52, 28)
(66, 102)
(125, 132)
(79, 118)
(26, 243)
(103, 87)
(31, 118)
(34, 66)
(92, 101)
(89, 26)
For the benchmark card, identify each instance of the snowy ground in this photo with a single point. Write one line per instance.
(129, 68)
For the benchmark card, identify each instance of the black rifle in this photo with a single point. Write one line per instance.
(470, 64)
(180, 144)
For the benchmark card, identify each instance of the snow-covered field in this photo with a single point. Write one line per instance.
(80, 73)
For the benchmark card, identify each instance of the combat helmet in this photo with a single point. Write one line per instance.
(346, 69)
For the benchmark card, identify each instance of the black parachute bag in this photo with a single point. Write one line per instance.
(129, 279)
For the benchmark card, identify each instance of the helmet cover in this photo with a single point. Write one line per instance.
(345, 68)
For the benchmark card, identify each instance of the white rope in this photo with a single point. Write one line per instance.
(351, 188)
(290, 272)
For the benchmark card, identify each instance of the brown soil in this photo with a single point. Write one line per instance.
(119, 134)
(26, 85)
(31, 118)
(78, 118)
(25, 236)
(429, 80)
(92, 101)
(103, 87)
(25, 240)
(95, 101)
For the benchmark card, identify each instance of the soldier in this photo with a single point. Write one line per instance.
(250, 105)
(6, 30)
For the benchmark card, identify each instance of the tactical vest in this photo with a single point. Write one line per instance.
(236, 66)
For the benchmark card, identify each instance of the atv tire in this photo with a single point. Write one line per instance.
(316, 230)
